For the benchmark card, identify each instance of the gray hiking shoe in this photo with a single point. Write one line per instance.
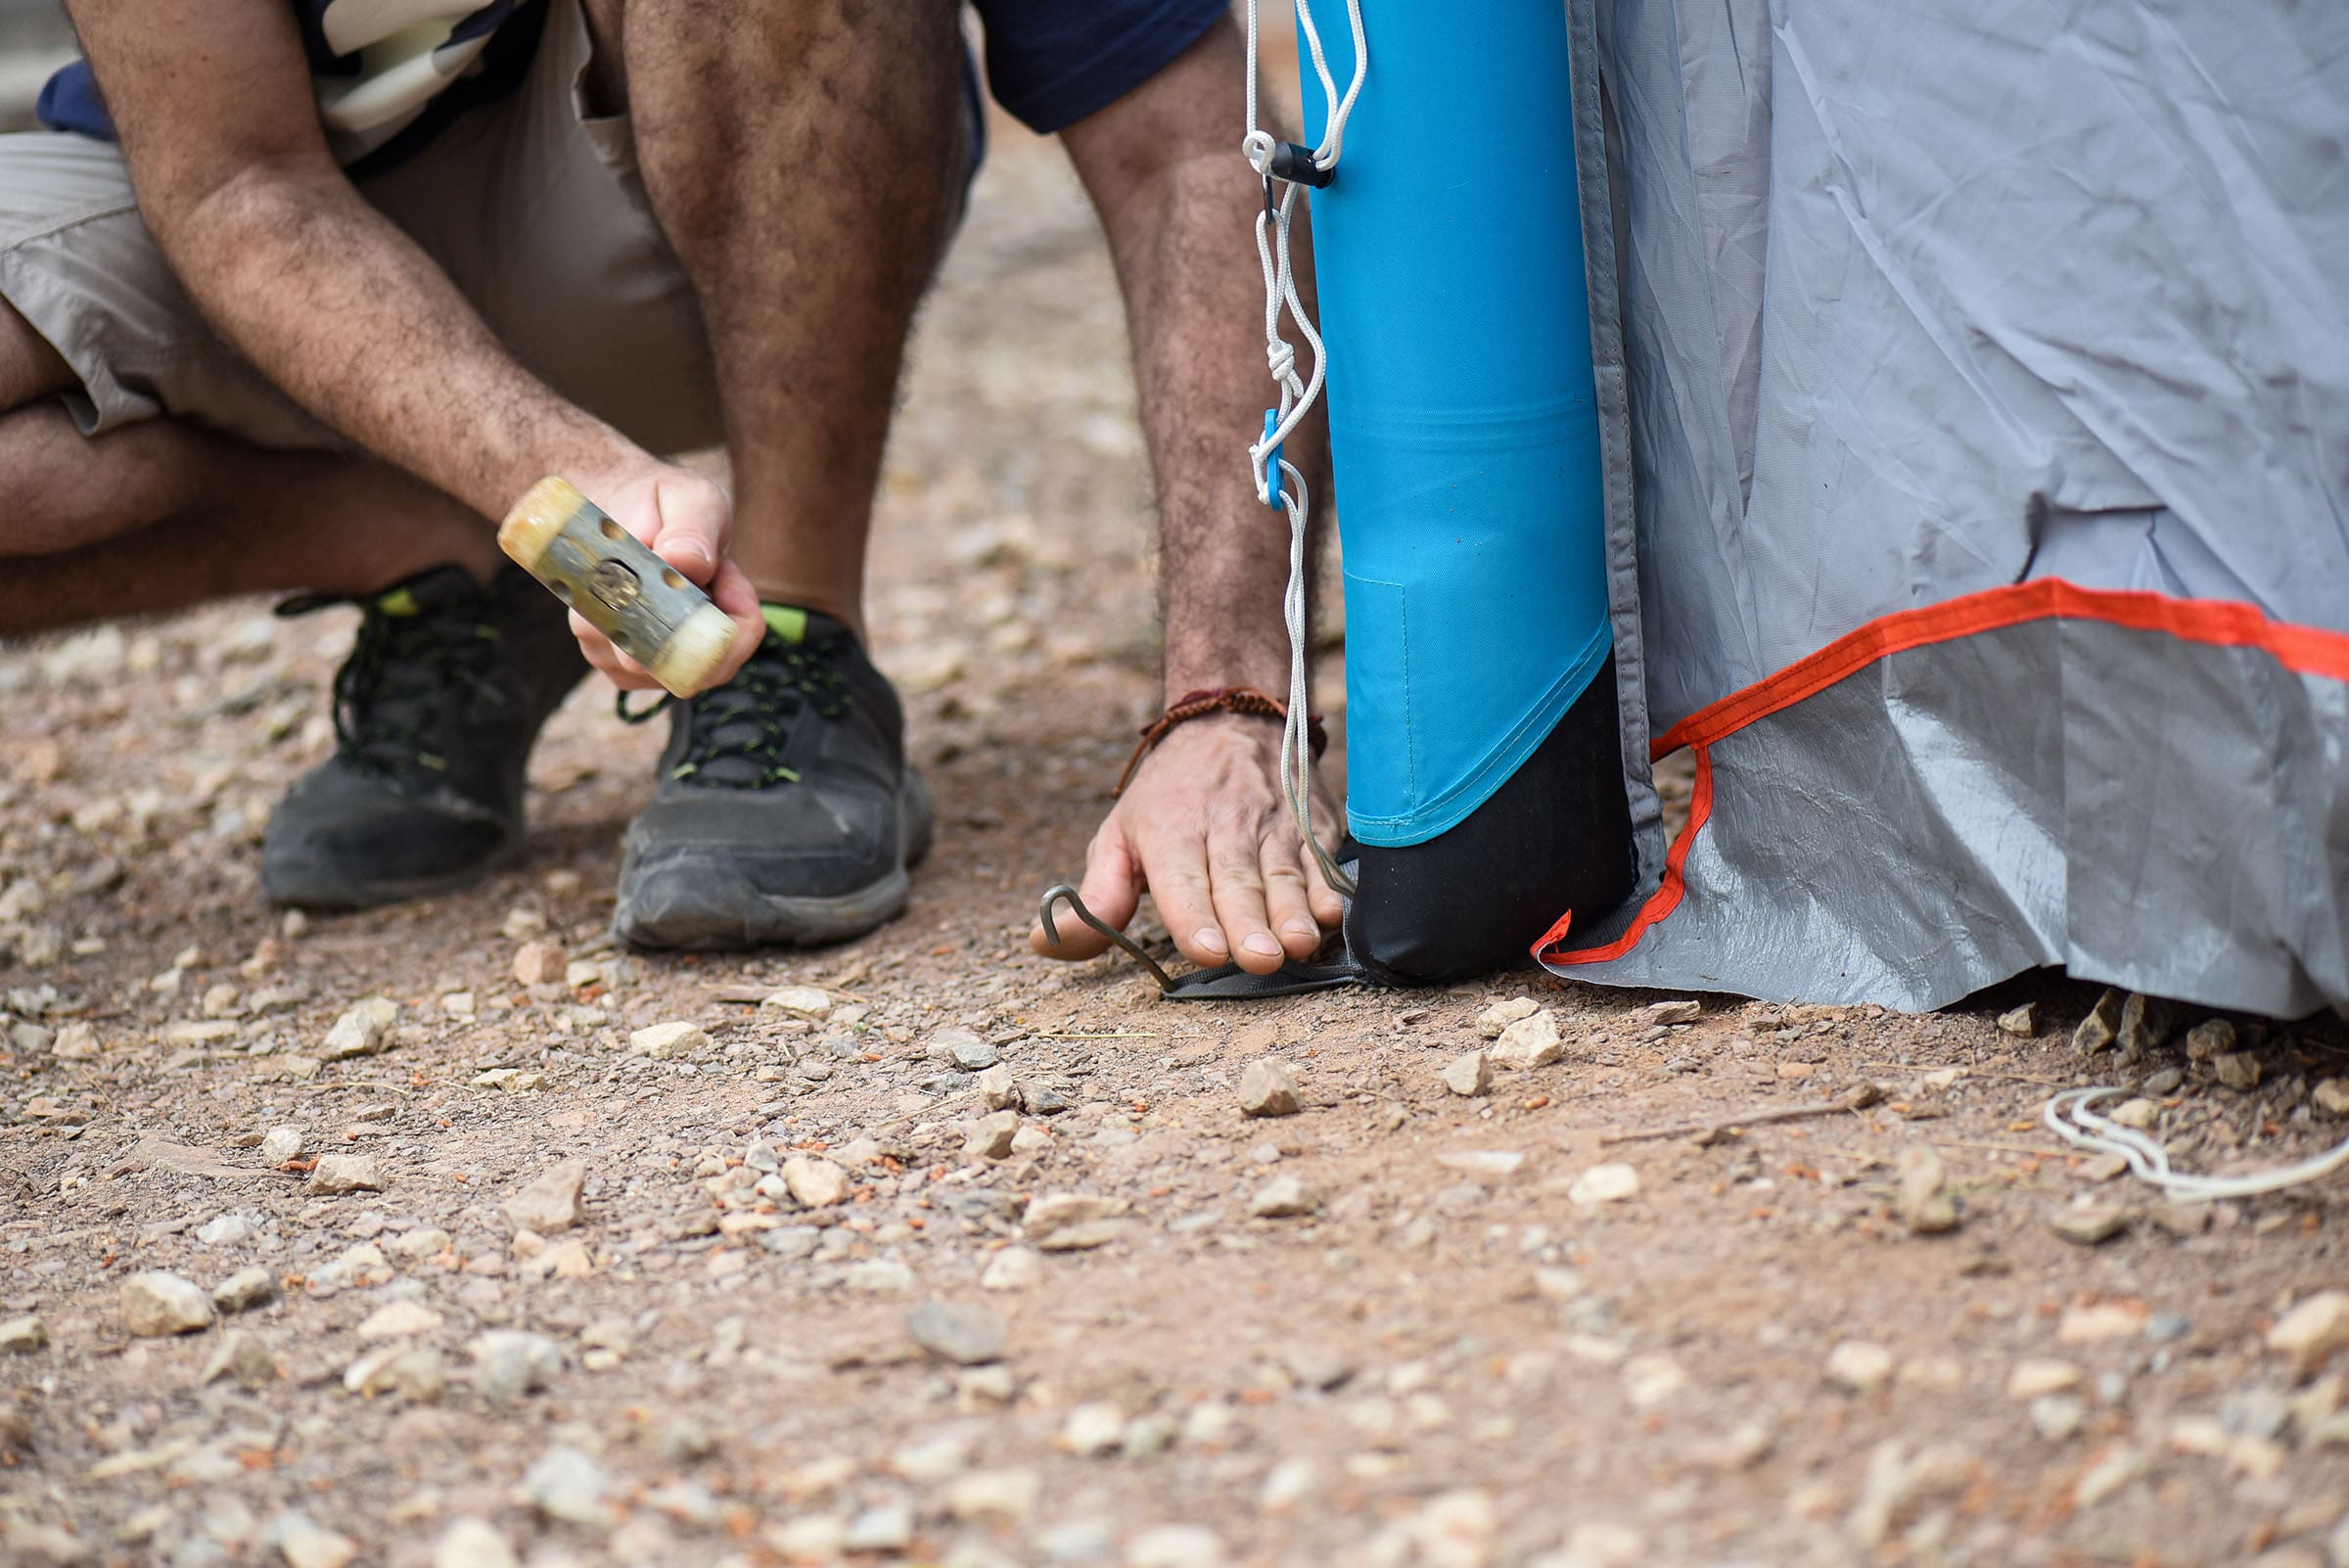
(434, 712)
(785, 813)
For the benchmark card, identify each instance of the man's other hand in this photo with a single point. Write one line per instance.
(1204, 829)
(684, 518)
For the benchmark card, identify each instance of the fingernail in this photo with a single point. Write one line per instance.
(1263, 944)
(1302, 927)
(1209, 938)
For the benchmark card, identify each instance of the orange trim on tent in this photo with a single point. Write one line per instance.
(2215, 622)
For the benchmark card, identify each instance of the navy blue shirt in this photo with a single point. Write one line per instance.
(387, 81)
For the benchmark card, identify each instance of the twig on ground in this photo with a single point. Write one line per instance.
(1714, 1130)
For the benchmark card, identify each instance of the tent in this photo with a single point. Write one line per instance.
(1965, 481)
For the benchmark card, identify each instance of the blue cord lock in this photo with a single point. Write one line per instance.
(1272, 497)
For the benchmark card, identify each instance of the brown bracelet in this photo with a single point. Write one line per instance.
(1246, 699)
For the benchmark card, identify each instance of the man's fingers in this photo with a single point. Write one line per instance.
(1177, 875)
(693, 522)
(731, 591)
(1287, 903)
(1112, 888)
(603, 655)
(1236, 883)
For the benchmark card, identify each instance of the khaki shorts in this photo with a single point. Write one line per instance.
(532, 207)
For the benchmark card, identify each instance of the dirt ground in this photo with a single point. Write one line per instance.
(1455, 1346)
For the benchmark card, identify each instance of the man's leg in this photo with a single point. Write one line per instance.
(807, 163)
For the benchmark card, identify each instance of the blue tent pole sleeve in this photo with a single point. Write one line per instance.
(1463, 420)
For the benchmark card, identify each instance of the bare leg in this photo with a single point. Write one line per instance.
(807, 163)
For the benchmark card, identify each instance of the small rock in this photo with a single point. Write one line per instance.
(885, 1527)
(2056, 1416)
(242, 1358)
(280, 1144)
(667, 1042)
(550, 1203)
(244, 1290)
(2145, 1023)
(1859, 1366)
(1661, 1014)
(1926, 1207)
(957, 1332)
(1092, 1431)
(1604, 1184)
(814, 1183)
(1530, 1043)
(568, 1485)
(2239, 1070)
(1284, 1197)
(999, 1090)
(2166, 1082)
(307, 1544)
(155, 1303)
(2210, 1038)
(1048, 1218)
(2102, 1025)
(2332, 1096)
(2089, 1226)
(1468, 1075)
(1177, 1545)
(399, 1319)
(2036, 1378)
(992, 1135)
(2108, 1476)
(415, 1245)
(2021, 1022)
(473, 1544)
(510, 1363)
(2184, 1220)
(2096, 1322)
(973, 1054)
(21, 1336)
(538, 964)
(1269, 1088)
(360, 1030)
(344, 1172)
(413, 1372)
(1009, 1496)
(1013, 1269)
(810, 1001)
(1501, 1014)
(2311, 1330)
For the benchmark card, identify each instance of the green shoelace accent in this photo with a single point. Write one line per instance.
(412, 669)
(736, 735)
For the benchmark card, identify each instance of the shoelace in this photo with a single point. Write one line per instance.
(393, 707)
(752, 717)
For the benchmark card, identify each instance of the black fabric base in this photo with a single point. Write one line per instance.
(1557, 836)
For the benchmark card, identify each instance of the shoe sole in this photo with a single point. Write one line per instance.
(324, 887)
(705, 913)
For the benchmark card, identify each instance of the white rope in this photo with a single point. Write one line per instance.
(2068, 1116)
(1274, 477)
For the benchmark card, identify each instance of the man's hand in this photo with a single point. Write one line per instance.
(684, 518)
(1204, 828)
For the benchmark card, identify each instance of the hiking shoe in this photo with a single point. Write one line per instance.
(785, 812)
(434, 712)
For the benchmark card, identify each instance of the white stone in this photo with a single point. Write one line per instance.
(1604, 1184)
(2313, 1329)
(399, 1319)
(813, 1183)
(1013, 1269)
(550, 1203)
(1501, 1014)
(663, 1042)
(473, 1544)
(810, 1001)
(280, 1144)
(155, 1303)
(1530, 1043)
(362, 1030)
(1859, 1366)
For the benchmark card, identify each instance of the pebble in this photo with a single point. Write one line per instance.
(414, 1372)
(2311, 1330)
(2332, 1096)
(1050, 1219)
(2239, 1070)
(2139, 1113)
(974, 1055)
(2108, 1476)
(244, 1290)
(510, 1363)
(957, 1332)
(884, 1527)
(538, 964)
(1013, 1269)
(1284, 1197)
(1662, 1014)
(155, 1303)
(2101, 1026)
(2020, 1022)
(1176, 1545)
(551, 1202)
(999, 1090)
(243, 1357)
(473, 1544)
(1859, 1366)
(2145, 1023)
(2058, 1417)
(992, 1135)
(813, 1183)
(1317, 1366)
(2211, 1037)
(2169, 1080)
(344, 1172)
(305, 1544)
(568, 1485)
(1483, 1162)
(983, 1494)
(1926, 1207)
(1468, 1075)
(360, 1030)
(2036, 1377)
(1269, 1088)
(2097, 1322)
(21, 1336)
(666, 1041)
(280, 1144)
(1092, 1430)
(425, 1241)
(1530, 1043)
(1501, 1014)
(399, 1319)
(2089, 1226)
(810, 1001)
(1604, 1184)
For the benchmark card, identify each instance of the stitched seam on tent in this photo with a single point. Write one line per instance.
(2212, 623)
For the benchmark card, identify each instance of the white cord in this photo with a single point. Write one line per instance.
(2068, 1117)
(1276, 479)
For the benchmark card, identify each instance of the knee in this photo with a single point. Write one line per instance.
(31, 368)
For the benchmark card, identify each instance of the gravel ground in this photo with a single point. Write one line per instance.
(925, 1250)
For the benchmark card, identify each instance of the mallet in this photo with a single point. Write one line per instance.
(629, 594)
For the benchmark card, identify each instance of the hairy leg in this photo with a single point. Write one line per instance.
(807, 163)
